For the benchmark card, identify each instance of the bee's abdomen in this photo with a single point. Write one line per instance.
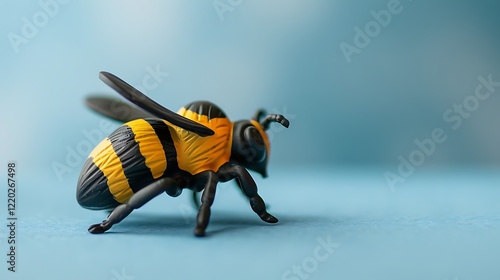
(132, 157)
(92, 189)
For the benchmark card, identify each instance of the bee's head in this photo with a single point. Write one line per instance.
(250, 146)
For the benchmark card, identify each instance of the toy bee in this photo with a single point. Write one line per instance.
(161, 151)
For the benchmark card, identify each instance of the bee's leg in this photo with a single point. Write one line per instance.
(231, 171)
(135, 202)
(196, 200)
(209, 180)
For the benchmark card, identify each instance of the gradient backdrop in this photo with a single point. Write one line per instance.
(360, 82)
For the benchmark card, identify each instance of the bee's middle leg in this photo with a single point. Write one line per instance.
(209, 180)
(135, 202)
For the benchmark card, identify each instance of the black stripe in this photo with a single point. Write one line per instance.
(163, 133)
(92, 189)
(206, 108)
(133, 162)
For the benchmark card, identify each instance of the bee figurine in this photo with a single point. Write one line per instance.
(162, 151)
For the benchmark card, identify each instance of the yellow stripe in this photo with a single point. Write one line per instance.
(101, 146)
(200, 118)
(109, 163)
(150, 147)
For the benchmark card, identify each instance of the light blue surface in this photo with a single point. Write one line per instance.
(440, 225)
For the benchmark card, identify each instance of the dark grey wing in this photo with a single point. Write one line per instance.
(115, 109)
(150, 106)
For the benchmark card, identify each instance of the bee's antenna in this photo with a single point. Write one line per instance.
(259, 114)
(274, 118)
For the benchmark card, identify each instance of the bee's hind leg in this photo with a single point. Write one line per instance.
(135, 202)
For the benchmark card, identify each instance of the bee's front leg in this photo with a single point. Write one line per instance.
(209, 180)
(231, 171)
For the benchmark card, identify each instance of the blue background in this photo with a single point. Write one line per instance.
(350, 121)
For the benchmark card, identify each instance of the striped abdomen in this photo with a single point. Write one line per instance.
(132, 157)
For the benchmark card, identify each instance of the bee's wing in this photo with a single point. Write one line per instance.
(150, 106)
(115, 109)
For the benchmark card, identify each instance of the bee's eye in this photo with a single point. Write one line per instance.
(256, 143)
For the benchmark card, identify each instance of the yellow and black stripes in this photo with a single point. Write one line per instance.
(93, 191)
(163, 132)
(127, 149)
(132, 157)
(144, 150)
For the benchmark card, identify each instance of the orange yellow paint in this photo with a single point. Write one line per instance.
(195, 153)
